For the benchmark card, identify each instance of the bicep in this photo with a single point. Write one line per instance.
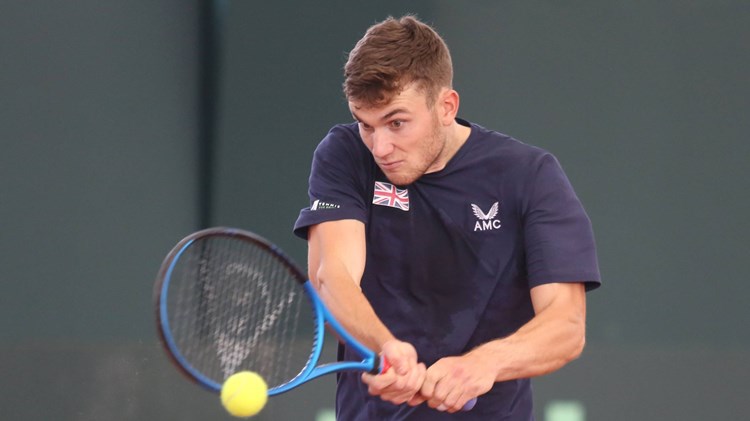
(565, 297)
(336, 248)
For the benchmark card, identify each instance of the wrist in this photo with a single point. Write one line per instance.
(492, 357)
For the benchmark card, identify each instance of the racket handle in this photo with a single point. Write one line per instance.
(385, 365)
(470, 404)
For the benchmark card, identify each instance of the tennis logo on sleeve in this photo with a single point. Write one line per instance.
(486, 221)
(386, 194)
(320, 205)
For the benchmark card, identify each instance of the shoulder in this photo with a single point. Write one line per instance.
(344, 131)
(342, 147)
(341, 136)
(502, 151)
(341, 158)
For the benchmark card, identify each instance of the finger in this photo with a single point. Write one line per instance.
(440, 394)
(451, 401)
(382, 380)
(419, 373)
(406, 387)
(395, 395)
(399, 384)
(376, 384)
(428, 386)
(417, 399)
(463, 404)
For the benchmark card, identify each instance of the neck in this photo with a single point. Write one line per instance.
(455, 136)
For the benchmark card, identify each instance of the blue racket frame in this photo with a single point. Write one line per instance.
(370, 362)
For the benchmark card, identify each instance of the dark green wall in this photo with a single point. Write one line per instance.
(643, 102)
(98, 110)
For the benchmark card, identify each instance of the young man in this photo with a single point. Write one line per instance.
(460, 254)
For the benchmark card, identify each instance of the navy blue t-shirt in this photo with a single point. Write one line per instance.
(451, 258)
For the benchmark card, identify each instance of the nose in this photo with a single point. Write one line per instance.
(382, 144)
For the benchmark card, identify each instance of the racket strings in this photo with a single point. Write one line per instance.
(234, 306)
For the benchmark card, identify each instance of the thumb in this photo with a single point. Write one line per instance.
(401, 355)
(398, 363)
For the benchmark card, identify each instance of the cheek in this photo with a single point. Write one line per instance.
(414, 137)
(367, 140)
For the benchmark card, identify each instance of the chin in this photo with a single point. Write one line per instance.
(401, 179)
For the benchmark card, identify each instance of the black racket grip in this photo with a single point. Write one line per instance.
(380, 365)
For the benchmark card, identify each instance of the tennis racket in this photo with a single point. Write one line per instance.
(227, 300)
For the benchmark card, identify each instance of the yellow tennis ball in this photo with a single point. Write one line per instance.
(244, 394)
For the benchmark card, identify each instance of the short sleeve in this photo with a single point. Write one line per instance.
(558, 237)
(337, 187)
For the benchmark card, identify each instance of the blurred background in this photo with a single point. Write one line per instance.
(125, 125)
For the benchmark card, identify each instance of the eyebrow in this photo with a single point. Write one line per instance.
(386, 116)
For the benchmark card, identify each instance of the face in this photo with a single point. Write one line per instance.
(405, 136)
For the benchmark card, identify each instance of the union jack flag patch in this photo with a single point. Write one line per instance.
(386, 194)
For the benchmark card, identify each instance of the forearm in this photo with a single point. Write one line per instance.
(336, 262)
(349, 306)
(551, 339)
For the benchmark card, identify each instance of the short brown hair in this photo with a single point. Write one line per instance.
(393, 54)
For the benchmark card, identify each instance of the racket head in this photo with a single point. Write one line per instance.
(228, 300)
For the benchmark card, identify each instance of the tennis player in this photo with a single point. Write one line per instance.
(459, 253)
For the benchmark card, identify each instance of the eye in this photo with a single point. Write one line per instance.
(365, 127)
(397, 124)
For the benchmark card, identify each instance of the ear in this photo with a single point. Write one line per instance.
(448, 102)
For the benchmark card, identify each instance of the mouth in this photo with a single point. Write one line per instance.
(389, 166)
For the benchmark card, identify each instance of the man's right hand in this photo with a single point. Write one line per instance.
(405, 377)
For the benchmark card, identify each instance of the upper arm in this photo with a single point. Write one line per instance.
(336, 248)
(566, 298)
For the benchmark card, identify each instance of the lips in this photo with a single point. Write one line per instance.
(389, 166)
